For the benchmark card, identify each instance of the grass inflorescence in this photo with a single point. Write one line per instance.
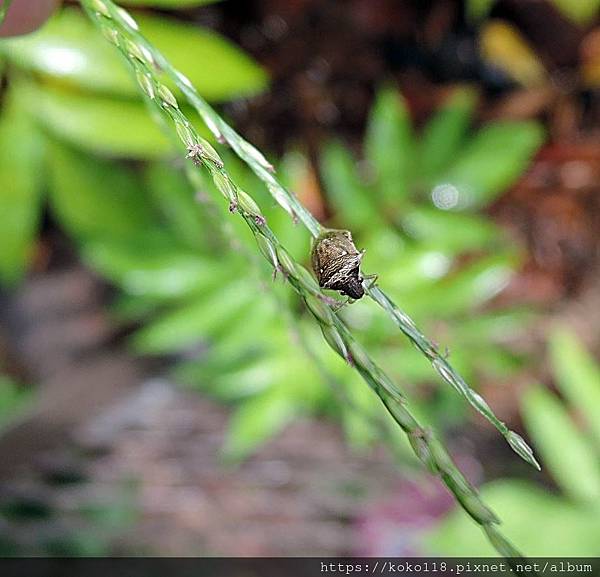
(149, 67)
(289, 202)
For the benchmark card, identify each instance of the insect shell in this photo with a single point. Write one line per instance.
(336, 263)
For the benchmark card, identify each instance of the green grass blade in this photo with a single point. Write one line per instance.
(569, 455)
(577, 377)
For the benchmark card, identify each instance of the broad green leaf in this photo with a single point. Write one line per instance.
(21, 150)
(566, 452)
(389, 146)
(415, 270)
(100, 125)
(189, 324)
(465, 290)
(154, 266)
(577, 376)
(539, 523)
(231, 375)
(71, 49)
(271, 371)
(95, 198)
(449, 231)
(581, 12)
(256, 421)
(499, 363)
(354, 203)
(130, 308)
(217, 68)
(444, 133)
(492, 161)
(498, 325)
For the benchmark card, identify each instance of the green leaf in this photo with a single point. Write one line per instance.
(359, 432)
(95, 198)
(389, 145)
(14, 401)
(231, 377)
(478, 9)
(577, 376)
(449, 231)
(465, 290)
(168, 4)
(259, 419)
(154, 266)
(71, 49)
(499, 363)
(581, 12)
(354, 204)
(217, 68)
(21, 149)
(416, 269)
(445, 132)
(174, 197)
(566, 452)
(191, 323)
(488, 165)
(130, 308)
(498, 325)
(541, 524)
(99, 125)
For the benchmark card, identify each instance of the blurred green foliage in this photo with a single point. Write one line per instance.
(188, 276)
(413, 204)
(565, 432)
(246, 342)
(14, 401)
(70, 50)
(75, 85)
(581, 12)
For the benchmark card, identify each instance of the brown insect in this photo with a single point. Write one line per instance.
(336, 263)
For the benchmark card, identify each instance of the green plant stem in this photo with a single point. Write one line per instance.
(290, 203)
(4, 9)
(119, 28)
(228, 237)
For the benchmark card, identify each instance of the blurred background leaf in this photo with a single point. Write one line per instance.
(580, 11)
(70, 48)
(568, 453)
(21, 149)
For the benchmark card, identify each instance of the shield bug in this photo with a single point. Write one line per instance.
(336, 263)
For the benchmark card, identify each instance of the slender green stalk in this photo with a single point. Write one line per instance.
(118, 26)
(4, 9)
(227, 235)
(289, 202)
